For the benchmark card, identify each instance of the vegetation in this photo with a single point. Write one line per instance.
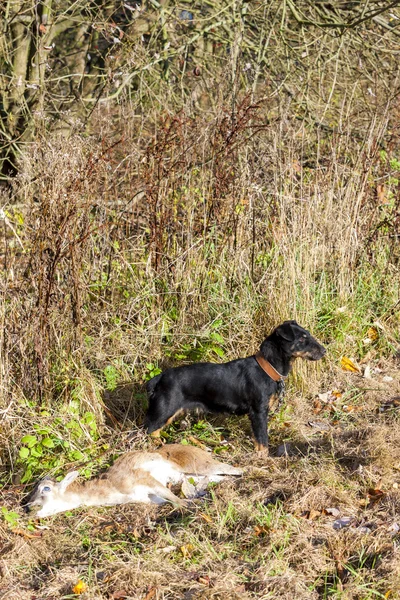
(177, 178)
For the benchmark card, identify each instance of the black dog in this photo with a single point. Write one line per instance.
(242, 386)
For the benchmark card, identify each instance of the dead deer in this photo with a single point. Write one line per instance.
(134, 477)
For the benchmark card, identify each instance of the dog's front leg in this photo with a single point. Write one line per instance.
(259, 420)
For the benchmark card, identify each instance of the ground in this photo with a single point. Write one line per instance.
(318, 518)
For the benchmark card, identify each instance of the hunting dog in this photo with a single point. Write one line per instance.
(241, 386)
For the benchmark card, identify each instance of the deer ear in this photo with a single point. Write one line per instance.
(68, 479)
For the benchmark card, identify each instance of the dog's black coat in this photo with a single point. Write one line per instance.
(240, 386)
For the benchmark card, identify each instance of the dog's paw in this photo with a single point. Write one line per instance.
(262, 450)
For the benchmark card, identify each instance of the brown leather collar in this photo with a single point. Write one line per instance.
(267, 367)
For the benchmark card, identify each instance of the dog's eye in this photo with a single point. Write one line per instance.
(46, 488)
(303, 339)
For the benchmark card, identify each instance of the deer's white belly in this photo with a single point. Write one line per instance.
(162, 471)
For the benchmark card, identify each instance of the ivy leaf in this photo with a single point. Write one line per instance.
(24, 452)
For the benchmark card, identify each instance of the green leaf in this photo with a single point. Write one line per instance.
(76, 455)
(47, 442)
(218, 351)
(217, 337)
(29, 440)
(24, 452)
(217, 323)
(37, 451)
(42, 430)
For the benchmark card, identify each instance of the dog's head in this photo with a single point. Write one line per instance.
(297, 342)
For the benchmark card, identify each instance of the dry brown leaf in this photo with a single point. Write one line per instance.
(350, 408)
(381, 194)
(80, 587)
(260, 530)
(151, 593)
(375, 494)
(29, 535)
(313, 514)
(317, 407)
(348, 365)
(196, 442)
(119, 595)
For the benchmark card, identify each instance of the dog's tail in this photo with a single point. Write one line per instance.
(151, 384)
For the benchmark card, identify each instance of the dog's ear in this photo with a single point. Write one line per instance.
(285, 331)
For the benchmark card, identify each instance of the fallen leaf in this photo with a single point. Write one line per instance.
(206, 517)
(375, 495)
(335, 512)
(367, 372)
(320, 425)
(394, 529)
(317, 407)
(348, 365)
(80, 587)
(313, 514)
(205, 580)
(342, 523)
(372, 334)
(119, 595)
(196, 442)
(166, 550)
(28, 535)
(151, 593)
(363, 529)
(187, 550)
(349, 408)
(381, 194)
(260, 530)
